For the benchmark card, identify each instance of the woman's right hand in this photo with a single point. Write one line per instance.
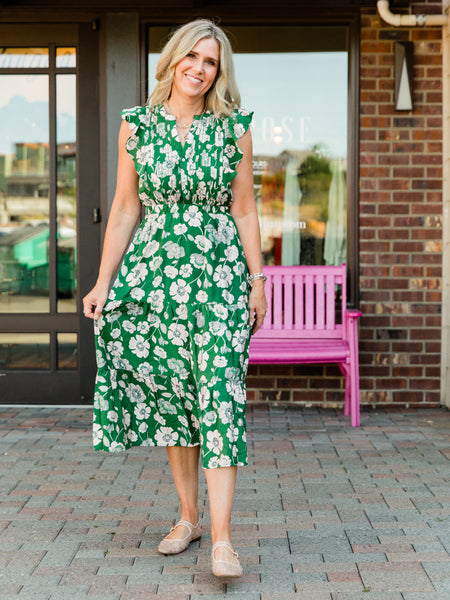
(94, 302)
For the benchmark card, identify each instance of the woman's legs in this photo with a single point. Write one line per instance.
(221, 485)
(184, 464)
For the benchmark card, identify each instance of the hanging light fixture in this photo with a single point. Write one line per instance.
(403, 61)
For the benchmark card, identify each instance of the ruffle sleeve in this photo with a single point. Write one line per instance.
(235, 126)
(138, 118)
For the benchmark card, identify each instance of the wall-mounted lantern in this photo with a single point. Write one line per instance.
(404, 58)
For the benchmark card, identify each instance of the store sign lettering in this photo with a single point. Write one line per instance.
(286, 130)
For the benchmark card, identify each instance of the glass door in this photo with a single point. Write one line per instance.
(41, 259)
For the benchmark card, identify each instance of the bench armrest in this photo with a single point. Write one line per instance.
(351, 325)
(353, 312)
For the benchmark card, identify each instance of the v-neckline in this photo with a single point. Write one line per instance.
(171, 117)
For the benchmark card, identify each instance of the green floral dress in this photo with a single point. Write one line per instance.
(172, 341)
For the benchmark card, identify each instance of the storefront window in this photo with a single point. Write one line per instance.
(295, 80)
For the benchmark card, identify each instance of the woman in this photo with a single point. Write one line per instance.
(173, 333)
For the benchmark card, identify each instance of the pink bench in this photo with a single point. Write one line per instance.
(308, 322)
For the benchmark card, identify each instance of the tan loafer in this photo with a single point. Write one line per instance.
(176, 545)
(224, 568)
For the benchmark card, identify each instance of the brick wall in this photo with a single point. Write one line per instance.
(400, 235)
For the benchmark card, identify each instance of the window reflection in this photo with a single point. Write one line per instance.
(67, 350)
(24, 193)
(24, 351)
(66, 201)
(295, 81)
(23, 58)
(66, 58)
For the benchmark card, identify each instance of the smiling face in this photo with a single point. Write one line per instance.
(196, 72)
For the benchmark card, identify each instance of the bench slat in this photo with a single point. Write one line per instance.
(277, 301)
(320, 301)
(309, 301)
(288, 304)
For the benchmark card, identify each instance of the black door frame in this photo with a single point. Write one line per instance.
(57, 386)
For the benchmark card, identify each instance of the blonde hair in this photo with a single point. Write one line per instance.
(223, 96)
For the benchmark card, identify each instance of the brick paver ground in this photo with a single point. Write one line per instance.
(324, 511)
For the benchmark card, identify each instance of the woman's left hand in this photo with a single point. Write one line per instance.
(257, 305)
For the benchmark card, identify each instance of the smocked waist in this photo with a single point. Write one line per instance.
(186, 205)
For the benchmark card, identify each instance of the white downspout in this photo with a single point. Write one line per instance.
(409, 20)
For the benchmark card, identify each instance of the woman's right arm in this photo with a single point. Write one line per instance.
(124, 215)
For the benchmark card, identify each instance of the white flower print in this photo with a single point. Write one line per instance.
(166, 436)
(143, 327)
(160, 352)
(155, 263)
(198, 260)
(132, 436)
(177, 333)
(217, 327)
(129, 326)
(150, 249)
(231, 253)
(180, 290)
(143, 427)
(179, 229)
(137, 274)
(156, 300)
(220, 361)
(137, 293)
(227, 296)
(203, 397)
(226, 413)
(203, 243)
(170, 271)
(193, 216)
(202, 339)
(220, 311)
(145, 369)
(145, 154)
(177, 387)
(214, 442)
(167, 408)
(209, 418)
(134, 309)
(177, 366)
(203, 358)
(201, 296)
(185, 270)
(134, 393)
(115, 348)
(141, 411)
(174, 250)
(181, 311)
(121, 364)
(112, 416)
(239, 340)
(223, 276)
(139, 346)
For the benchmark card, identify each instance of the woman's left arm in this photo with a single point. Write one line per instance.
(243, 211)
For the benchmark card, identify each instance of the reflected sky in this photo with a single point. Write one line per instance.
(24, 110)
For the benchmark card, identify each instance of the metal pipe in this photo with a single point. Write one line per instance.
(409, 20)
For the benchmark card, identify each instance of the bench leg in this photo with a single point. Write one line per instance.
(354, 400)
(346, 373)
(351, 406)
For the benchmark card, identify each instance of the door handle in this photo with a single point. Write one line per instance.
(96, 215)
